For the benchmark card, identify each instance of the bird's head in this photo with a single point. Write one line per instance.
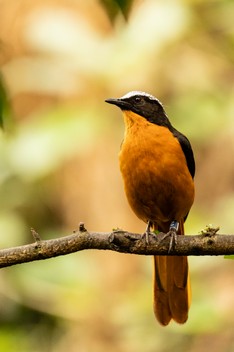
(143, 104)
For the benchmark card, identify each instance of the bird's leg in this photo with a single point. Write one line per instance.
(174, 226)
(147, 231)
(172, 233)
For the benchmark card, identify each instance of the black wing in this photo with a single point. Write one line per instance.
(187, 149)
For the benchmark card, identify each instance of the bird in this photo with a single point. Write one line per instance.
(158, 167)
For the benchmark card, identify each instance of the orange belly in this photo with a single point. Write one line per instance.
(157, 181)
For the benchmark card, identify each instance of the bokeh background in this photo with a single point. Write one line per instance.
(60, 59)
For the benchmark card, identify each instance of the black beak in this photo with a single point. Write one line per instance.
(121, 103)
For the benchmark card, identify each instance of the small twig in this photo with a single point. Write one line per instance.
(35, 235)
(82, 227)
(210, 231)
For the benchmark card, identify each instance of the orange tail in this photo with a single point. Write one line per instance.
(171, 286)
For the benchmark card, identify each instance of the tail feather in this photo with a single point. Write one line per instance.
(161, 302)
(171, 286)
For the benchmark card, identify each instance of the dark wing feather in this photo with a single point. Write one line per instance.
(187, 149)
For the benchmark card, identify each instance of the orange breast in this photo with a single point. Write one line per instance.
(157, 181)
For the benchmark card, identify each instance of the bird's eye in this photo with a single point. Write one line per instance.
(138, 99)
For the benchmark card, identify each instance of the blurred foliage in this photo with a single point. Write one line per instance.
(2, 102)
(5, 117)
(113, 7)
(58, 166)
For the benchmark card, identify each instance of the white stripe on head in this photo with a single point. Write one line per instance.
(136, 92)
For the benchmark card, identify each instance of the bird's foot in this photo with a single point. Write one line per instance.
(172, 234)
(146, 235)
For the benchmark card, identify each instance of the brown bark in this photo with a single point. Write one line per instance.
(208, 243)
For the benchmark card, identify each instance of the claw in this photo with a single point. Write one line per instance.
(147, 232)
(173, 239)
(174, 226)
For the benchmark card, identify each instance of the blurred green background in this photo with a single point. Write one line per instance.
(60, 59)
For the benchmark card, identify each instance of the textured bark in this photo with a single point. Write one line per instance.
(208, 243)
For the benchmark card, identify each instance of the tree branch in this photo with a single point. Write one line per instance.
(208, 243)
